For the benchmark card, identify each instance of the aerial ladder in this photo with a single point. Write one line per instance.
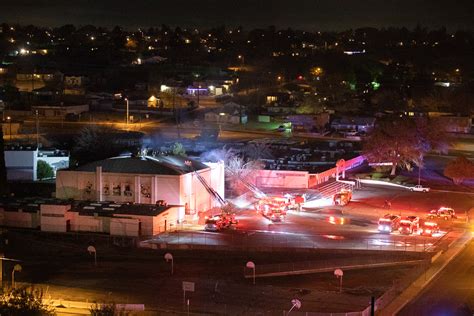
(210, 189)
(253, 188)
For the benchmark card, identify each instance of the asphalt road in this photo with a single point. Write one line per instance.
(452, 293)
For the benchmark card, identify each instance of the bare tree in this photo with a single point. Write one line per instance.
(238, 172)
(258, 150)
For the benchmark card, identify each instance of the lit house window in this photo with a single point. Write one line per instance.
(271, 98)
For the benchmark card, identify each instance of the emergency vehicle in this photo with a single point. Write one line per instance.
(219, 222)
(388, 223)
(429, 228)
(273, 208)
(443, 212)
(409, 225)
(295, 202)
(342, 197)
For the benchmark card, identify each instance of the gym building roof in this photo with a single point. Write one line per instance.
(163, 165)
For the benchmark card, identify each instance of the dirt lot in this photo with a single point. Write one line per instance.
(62, 265)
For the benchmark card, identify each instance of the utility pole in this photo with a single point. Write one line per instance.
(37, 130)
(419, 175)
(127, 111)
(176, 113)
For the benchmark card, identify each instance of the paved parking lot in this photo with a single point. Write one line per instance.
(322, 225)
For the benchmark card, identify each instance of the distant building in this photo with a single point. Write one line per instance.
(74, 85)
(28, 81)
(176, 180)
(22, 161)
(278, 98)
(59, 110)
(129, 220)
(309, 122)
(355, 123)
(11, 127)
(454, 124)
(230, 113)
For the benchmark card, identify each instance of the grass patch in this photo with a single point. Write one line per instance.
(378, 175)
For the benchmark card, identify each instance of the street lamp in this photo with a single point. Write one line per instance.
(251, 265)
(37, 129)
(126, 101)
(92, 250)
(169, 257)
(199, 88)
(16, 268)
(339, 273)
(9, 119)
(296, 303)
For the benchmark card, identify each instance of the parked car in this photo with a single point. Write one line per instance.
(281, 128)
(419, 188)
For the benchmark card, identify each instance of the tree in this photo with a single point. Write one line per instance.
(23, 302)
(310, 105)
(459, 169)
(432, 135)
(178, 150)
(95, 143)
(394, 142)
(433, 103)
(3, 169)
(387, 99)
(257, 150)
(237, 170)
(222, 154)
(44, 170)
(403, 142)
(103, 310)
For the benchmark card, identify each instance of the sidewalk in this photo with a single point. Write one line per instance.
(436, 268)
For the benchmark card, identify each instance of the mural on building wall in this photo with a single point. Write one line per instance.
(145, 190)
(106, 189)
(88, 188)
(127, 191)
(117, 189)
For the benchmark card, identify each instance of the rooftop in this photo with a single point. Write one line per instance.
(113, 209)
(162, 165)
(86, 208)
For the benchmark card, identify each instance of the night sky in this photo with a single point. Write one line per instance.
(304, 14)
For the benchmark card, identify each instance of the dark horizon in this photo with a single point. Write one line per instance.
(311, 15)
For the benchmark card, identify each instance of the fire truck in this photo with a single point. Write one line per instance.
(295, 202)
(273, 208)
(409, 225)
(220, 221)
(429, 228)
(342, 197)
(389, 223)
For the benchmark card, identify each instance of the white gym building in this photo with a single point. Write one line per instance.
(175, 180)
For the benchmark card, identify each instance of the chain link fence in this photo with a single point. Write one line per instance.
(258, 240)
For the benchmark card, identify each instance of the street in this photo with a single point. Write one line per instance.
(451, 293)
